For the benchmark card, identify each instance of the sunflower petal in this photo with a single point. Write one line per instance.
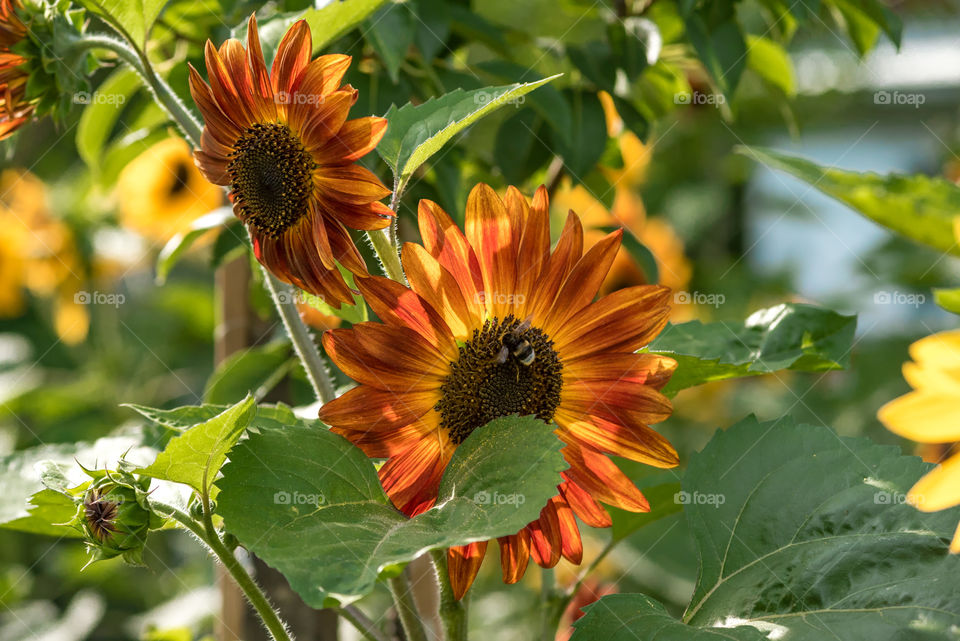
(490, 231)
(631, 440)
(439, 288)
(293, 56)
(603, 480)
(464, 563)
(939, 489)
(545, 545)
(514, 555)
(401, 307)
(927, 417)
(373, 409)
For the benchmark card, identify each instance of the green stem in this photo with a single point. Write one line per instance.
(303, 344)
(207, 533)
(362, 623)
(406, 608)
(164, 93)
(552, 605)
(269, 617)
(453, 613)
(387, 253)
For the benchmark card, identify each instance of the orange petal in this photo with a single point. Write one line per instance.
(647, 369)
(223, 89)
(368, 408)
(315, 123)
(439, 288)
(583, 505)
(534, 248)
(345, 349)
(491, 233)
(444, 240)
(464, 563)
(626, 400)
(623, 321)
(558, 266)
(355, 139)
(571, 546)
(603, 480)
(631, 440)
(368, 216)
(411, 479)
(293, 56)
(324, 75)
(399, 306)
(390, 442)
(545, 545)
(514, 555)
(584, 281)
(259, 73)
(352, 184)
(402, 347)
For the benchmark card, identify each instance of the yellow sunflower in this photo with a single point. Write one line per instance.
(282, 142)
(494, 324)
(931, 414)
(161, 191)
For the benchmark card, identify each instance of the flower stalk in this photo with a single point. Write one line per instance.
(453, 613)
(407, 608)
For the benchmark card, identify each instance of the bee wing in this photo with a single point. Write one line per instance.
(503, 354)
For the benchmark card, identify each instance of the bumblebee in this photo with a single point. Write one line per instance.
(514, 343)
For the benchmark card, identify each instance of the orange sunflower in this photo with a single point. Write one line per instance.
(435, 369)
(282, 142)
(14, 109)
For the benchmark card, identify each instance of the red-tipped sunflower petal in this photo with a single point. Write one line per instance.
(352, 184)
(369, 408)
(584, 281)
(439, 288)
(355, 139)
(324, 75)
(566, 254)
(398, 306)
(583, 505)
(635, 402)
(444, 240)
(603, 480)
(631, 440)
(514, 555)
(490, 231)
(571, 545)
(403, 347)
(464, 563)
(411, 479)
(652, 370)
(545, 545)
(348, 352)
(534, 250)
(258, 69)
(293, 56)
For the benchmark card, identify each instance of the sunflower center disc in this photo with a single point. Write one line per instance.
(483, 384)
(272, 177)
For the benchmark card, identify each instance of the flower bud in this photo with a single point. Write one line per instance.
(115, 517)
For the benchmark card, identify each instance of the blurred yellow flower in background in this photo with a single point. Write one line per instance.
(931, 414)
(38, 253)
(161, 192)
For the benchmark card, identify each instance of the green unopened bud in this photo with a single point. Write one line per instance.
(115, 517)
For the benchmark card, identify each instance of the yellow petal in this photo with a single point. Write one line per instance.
(928, 417)
(941, 350)
(939, 489)
(955, 545)
(932, 379)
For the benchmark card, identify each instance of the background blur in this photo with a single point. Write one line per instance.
(85, 326)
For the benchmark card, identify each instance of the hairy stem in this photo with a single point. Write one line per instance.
(406, 608)
(387, 253)
(283, 299)
(362, 623)
(453, 613)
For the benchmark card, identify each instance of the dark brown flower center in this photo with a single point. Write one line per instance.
(181, 178)
(272, 177)
(506, 367)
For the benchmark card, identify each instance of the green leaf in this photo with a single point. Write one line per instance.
(182, 418)
(101, 115)
(588, 136)
(179, 244)
(390, 32)
(644, 258)
(317, 496)
(518, 150)
(195, 456)
(788, 336)
(255, 370)
(949, 299)
(416, 132)
(865, 19)
(719, 42)
(770, 61)
(547, 101)
(919, 207)
(135, 17)
(20, 477)
(808, 538)
(662, 499)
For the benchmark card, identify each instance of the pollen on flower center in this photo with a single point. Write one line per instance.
(486, 381)
(271, 176)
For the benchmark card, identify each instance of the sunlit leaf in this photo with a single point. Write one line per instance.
(179, 244)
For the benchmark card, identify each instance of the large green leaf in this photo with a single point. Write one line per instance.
(919, 207)
(802, 535)
(390, 32)
(181, 418)
(788, 336)
(20, 478)
(317, 513)
(718, 39)
(194, 457)
(135, 17)
(101, 114)
(416, 132)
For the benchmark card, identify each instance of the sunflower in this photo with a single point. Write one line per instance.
(282, 142)
(434, 370)
(15, 110)
(931, 414)
(161, 191)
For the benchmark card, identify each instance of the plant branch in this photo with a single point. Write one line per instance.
(362, 623)
(406, 608)
(453, 613)
(387, 253)
(300, 337)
